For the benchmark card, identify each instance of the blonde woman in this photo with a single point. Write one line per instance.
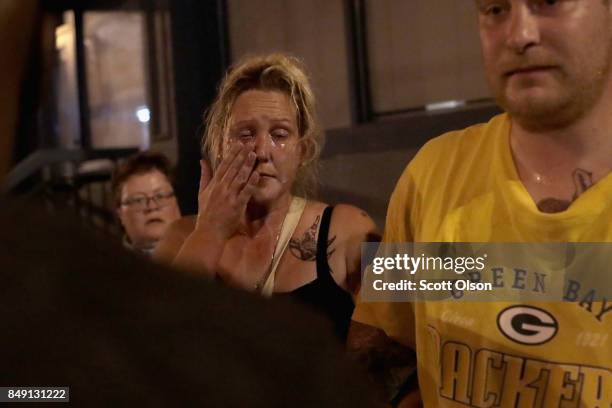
(256, 228)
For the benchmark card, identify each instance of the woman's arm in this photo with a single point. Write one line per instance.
(390, 365)
(222, 201)
(357, 227)
(200, 252)
(173, 239)
(185, 247)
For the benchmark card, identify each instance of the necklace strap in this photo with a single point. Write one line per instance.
(287, 229)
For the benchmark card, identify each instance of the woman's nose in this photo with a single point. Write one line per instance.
(263, 144)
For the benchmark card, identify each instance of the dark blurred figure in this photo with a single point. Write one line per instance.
(17, 26)
(80, 312)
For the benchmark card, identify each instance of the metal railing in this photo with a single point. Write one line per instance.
(76, 178)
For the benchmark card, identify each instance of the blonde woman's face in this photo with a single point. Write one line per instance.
(267, 121)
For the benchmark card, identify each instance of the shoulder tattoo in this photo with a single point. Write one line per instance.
(305, 248)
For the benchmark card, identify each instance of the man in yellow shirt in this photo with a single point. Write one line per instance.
(541, 172)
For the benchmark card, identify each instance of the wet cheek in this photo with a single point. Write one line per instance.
(285, 146)
(287, 164)
(281, 145)
(227, 144)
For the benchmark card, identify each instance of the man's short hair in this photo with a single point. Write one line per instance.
(139, 163)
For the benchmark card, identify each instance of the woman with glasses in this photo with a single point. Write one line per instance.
(257, 227)
(144, 200)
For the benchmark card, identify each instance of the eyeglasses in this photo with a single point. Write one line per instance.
(141, 202)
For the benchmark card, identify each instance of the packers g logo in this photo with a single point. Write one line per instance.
(527, 325)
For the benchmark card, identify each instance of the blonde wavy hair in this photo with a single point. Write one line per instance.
(272, 72)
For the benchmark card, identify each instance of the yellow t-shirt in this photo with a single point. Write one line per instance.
(463, 187)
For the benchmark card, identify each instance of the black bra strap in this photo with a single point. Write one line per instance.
(322, 265)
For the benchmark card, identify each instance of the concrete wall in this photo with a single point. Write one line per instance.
(361, 165)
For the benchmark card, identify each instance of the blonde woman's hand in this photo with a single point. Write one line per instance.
(223, 196)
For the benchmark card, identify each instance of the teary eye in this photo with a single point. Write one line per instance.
(244, 134)
(280, 133)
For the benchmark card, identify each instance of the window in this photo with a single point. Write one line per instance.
(117, 82)
(422, 52)
(313, 30)
(65, 85)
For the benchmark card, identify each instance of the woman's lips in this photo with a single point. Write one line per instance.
(154, 221)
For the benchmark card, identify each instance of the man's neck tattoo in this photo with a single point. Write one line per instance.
(583, 180)
(305, 248)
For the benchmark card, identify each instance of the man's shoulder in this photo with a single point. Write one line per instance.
(469, 138)
(452, 158)
(459, 146)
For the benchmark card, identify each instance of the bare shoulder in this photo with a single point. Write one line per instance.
(352, 226)
(173, 239)
(312, 215)
(183, 226)
(353, 221)
(347, 221)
